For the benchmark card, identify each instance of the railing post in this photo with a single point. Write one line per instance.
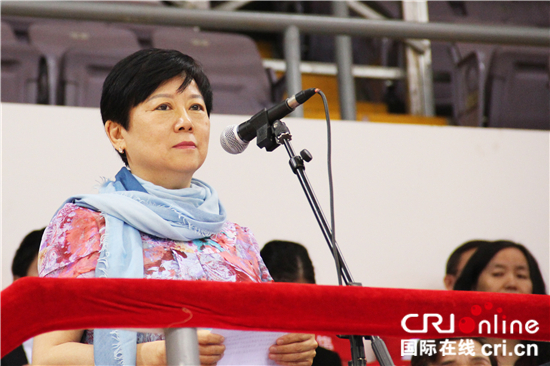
(182, 347)
(419, 65)
(292, 58)
(344, 62)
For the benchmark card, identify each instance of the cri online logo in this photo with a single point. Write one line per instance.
(498, 325)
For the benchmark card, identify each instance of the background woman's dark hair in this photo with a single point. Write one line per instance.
(454, 258)
(483, 255)
(287, 261)
(25, 254)
(133, 79)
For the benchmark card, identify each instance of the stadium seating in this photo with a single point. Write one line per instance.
(22, 68)
(518, 89)
(502, 86)
(79, 56)
(65, 62)
(509, 13)
(232, 62)
(83, 72)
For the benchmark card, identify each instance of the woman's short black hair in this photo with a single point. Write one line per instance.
(25, 254)
(287, 261)
(483, 255)
(133, 79)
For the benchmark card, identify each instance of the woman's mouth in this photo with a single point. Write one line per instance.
(185, 145)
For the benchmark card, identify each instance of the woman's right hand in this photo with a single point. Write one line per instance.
(211, 347)
(211, 350)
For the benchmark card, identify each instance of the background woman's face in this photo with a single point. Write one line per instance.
(167, 139)
(456, 359)
(508, 271)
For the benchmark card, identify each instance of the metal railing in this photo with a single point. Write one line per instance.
(290, 25)
(325, 68)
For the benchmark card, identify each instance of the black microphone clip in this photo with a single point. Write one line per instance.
(264, 125)
(270, 136)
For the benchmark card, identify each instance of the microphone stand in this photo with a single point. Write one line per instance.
(272, 135)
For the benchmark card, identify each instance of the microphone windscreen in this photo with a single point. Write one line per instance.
(231, 142)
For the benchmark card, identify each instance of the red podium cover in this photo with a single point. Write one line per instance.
(31, 306)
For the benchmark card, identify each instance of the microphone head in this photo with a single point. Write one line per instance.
(231, 142)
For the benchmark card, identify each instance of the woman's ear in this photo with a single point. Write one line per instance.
(449, 280)
(114, 132)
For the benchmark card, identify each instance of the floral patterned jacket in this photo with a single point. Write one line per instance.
(72, 241)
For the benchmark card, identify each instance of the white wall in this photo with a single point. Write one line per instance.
(406, 195)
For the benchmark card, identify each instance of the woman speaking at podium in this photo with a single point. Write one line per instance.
(154, 220)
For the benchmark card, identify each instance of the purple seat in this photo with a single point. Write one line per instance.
(518, 89)
(232, 63)
(512, 13)
(21, 69)
(83, 72)
(501, 86)
(7, 33)
(79, 56)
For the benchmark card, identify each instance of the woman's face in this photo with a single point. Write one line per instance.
(474, 358)
(167, 139)
(508, 271)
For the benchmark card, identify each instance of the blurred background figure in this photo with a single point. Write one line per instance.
(25, 264)
(508, 267)
(453, 358)
(289, 262)
(458, 259)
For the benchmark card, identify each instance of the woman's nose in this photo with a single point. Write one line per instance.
(511, 282)
(183, 123)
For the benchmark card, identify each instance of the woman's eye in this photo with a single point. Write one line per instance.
(497, 274)
(481, 362)
(197, 107)
(163, 107)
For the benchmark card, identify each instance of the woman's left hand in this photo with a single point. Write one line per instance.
(294, 350)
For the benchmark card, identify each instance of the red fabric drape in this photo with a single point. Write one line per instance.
(31, 306)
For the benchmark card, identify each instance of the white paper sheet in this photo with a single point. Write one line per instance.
(247, 348)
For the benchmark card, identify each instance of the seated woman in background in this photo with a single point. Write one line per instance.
(504, 266)
(24, 264)
(447, 352)
(458, 259)
(289, 262)
(155, 220)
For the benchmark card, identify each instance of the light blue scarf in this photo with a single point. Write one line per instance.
(129, 206)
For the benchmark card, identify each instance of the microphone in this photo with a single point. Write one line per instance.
(235, 138)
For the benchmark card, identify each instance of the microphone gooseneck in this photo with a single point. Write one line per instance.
(235, 138)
